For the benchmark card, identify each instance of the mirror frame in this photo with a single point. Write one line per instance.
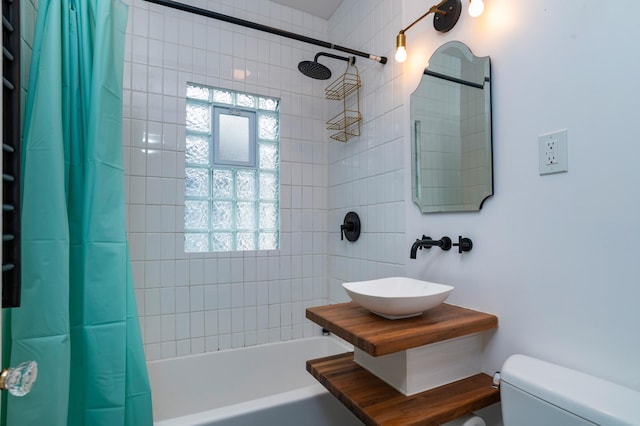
(482, 82)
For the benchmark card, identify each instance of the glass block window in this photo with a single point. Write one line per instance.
(232, 162)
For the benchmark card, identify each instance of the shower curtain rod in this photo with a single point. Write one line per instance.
(226, 18)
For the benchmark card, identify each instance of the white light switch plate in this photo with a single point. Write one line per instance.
(552, 152)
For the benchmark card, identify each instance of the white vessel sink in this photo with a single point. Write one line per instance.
(397, 297)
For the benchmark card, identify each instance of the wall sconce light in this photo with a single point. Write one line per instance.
(446, 15)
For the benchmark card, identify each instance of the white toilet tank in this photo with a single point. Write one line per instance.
(538, 393)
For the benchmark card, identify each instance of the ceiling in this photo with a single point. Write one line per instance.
(321, 8)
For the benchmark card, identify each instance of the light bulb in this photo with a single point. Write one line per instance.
(476, 7)
(401, 50)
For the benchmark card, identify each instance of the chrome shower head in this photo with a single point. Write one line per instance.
(315, 69)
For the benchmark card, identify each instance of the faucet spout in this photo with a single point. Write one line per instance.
(427, 242)
(414, 248)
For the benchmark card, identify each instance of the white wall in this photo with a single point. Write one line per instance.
(192, 303)
(554, 256)
(367, 174)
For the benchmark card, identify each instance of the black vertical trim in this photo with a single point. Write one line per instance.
(11, 266)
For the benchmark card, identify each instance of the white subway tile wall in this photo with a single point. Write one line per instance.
(192, 303)
(368, 174)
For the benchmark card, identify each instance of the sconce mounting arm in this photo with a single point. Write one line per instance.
(447, 13)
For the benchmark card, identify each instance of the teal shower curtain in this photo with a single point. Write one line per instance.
(78, 318)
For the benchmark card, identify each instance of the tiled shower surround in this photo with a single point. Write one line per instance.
(191, 303)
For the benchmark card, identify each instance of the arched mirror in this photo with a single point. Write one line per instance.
(451, 132)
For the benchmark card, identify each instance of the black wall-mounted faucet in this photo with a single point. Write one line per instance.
(464, 244)
(427, 242)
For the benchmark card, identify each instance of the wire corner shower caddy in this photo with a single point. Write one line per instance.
(346, 88)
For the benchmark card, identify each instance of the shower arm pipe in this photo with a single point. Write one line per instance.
(350, 59)
(230, 19)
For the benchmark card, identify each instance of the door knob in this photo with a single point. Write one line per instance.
(19, 380)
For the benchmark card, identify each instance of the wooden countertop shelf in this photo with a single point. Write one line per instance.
(379, 336)
(376, 403)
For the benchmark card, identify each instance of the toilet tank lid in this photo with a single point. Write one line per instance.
(592, 398)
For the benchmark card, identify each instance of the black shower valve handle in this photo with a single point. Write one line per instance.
(464, 244)
(350, 227)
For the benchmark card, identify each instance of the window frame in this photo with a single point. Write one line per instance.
(264, 173)
(251, 115)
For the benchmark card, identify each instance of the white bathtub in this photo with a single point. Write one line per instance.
(266, 385)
